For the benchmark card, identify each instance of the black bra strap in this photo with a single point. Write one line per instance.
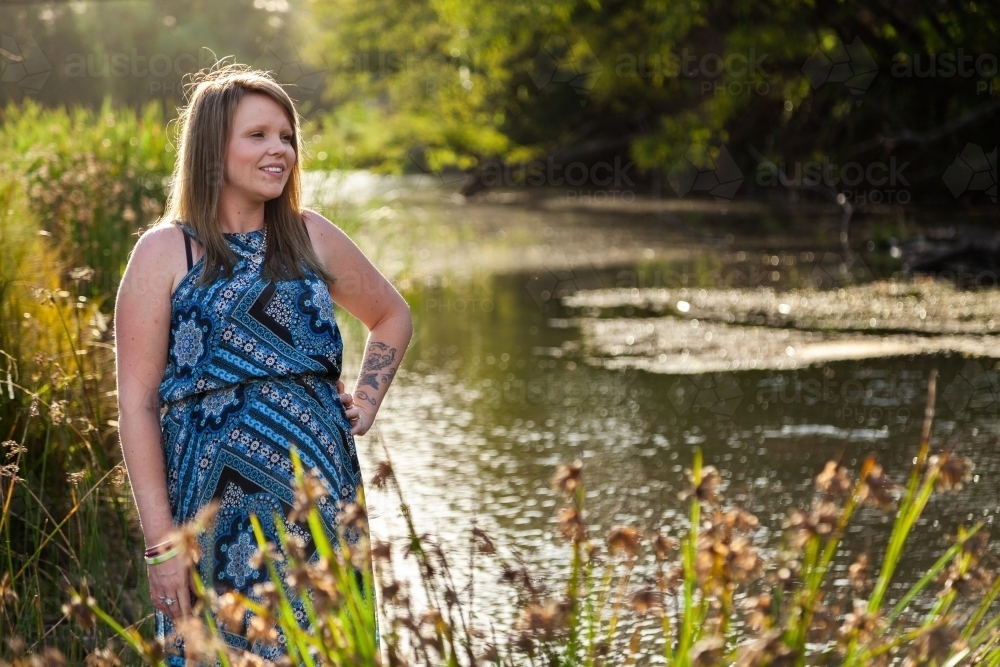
(187, 250)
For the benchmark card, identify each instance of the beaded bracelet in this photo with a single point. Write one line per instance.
(159, 548)
(165, 556)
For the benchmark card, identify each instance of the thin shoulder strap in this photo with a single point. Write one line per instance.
(187, 250)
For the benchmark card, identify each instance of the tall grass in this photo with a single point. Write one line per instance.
(65, 511)
(718, 596)
(94, 178)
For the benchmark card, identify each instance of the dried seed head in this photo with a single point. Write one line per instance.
(262, 630)
(79, 608)
(49, 657)
(860, 623)
(383, 474)
(759, 608)
(382, 550)
(390, 591)
(544, 622)
(199, 644)
(568, 477)
(820, 522)
(306, 496)
(706, 490)
(571, 525)
(354, 517)
(623, 539)
(953, 471)
(491, 654)
(484, 544)
(878, 490)
(969, 583)
(103, 657)
(153, 650)
(664, 546)
(8, 596)
(187, 537)
(230, 611)
(834, 479)
(57, 412)
(766, 651)
(324, 585)
(647, 600)
(244, 659)
(267, 592)
(13, 448)
(857, 573)
(81, 273)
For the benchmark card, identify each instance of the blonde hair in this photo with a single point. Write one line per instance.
(205, 126)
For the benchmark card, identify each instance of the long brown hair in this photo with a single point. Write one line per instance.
(206, 123)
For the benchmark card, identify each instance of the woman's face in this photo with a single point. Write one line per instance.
(260, 154)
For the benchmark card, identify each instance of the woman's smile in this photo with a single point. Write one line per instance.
(275, 171)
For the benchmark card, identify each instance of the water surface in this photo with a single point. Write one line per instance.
(529, 351)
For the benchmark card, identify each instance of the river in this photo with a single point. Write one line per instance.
(550, 328)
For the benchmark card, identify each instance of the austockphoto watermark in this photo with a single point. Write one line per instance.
(852, 64)
(615, 176)
(722, 74)
(860, 184)
(438, 71)
(470, 304)
(166, 71)
(944, 65)
(550, 283)
(132, 65)
(886, 396)
(609, 391)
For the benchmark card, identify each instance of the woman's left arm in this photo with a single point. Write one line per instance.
(365, 293)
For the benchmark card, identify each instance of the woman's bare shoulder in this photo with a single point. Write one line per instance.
(158, 256)
(161, 237)
(326, 236)
(316, 221)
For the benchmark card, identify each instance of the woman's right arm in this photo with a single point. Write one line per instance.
(142, 332)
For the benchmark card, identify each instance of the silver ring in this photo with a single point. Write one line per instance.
(167, 601)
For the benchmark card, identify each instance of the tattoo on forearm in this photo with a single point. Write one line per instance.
(376, 367)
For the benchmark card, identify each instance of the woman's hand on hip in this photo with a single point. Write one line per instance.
(360, 421)
(170, 587)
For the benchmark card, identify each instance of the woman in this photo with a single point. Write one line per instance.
(228, 352)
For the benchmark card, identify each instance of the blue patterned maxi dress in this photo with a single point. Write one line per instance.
(252, 370)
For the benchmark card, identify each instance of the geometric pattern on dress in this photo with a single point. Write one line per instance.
(251, 372)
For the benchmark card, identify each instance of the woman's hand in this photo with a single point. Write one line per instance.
(360, 421)
(170, 581)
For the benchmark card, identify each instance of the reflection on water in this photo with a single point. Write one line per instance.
(503, 381)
